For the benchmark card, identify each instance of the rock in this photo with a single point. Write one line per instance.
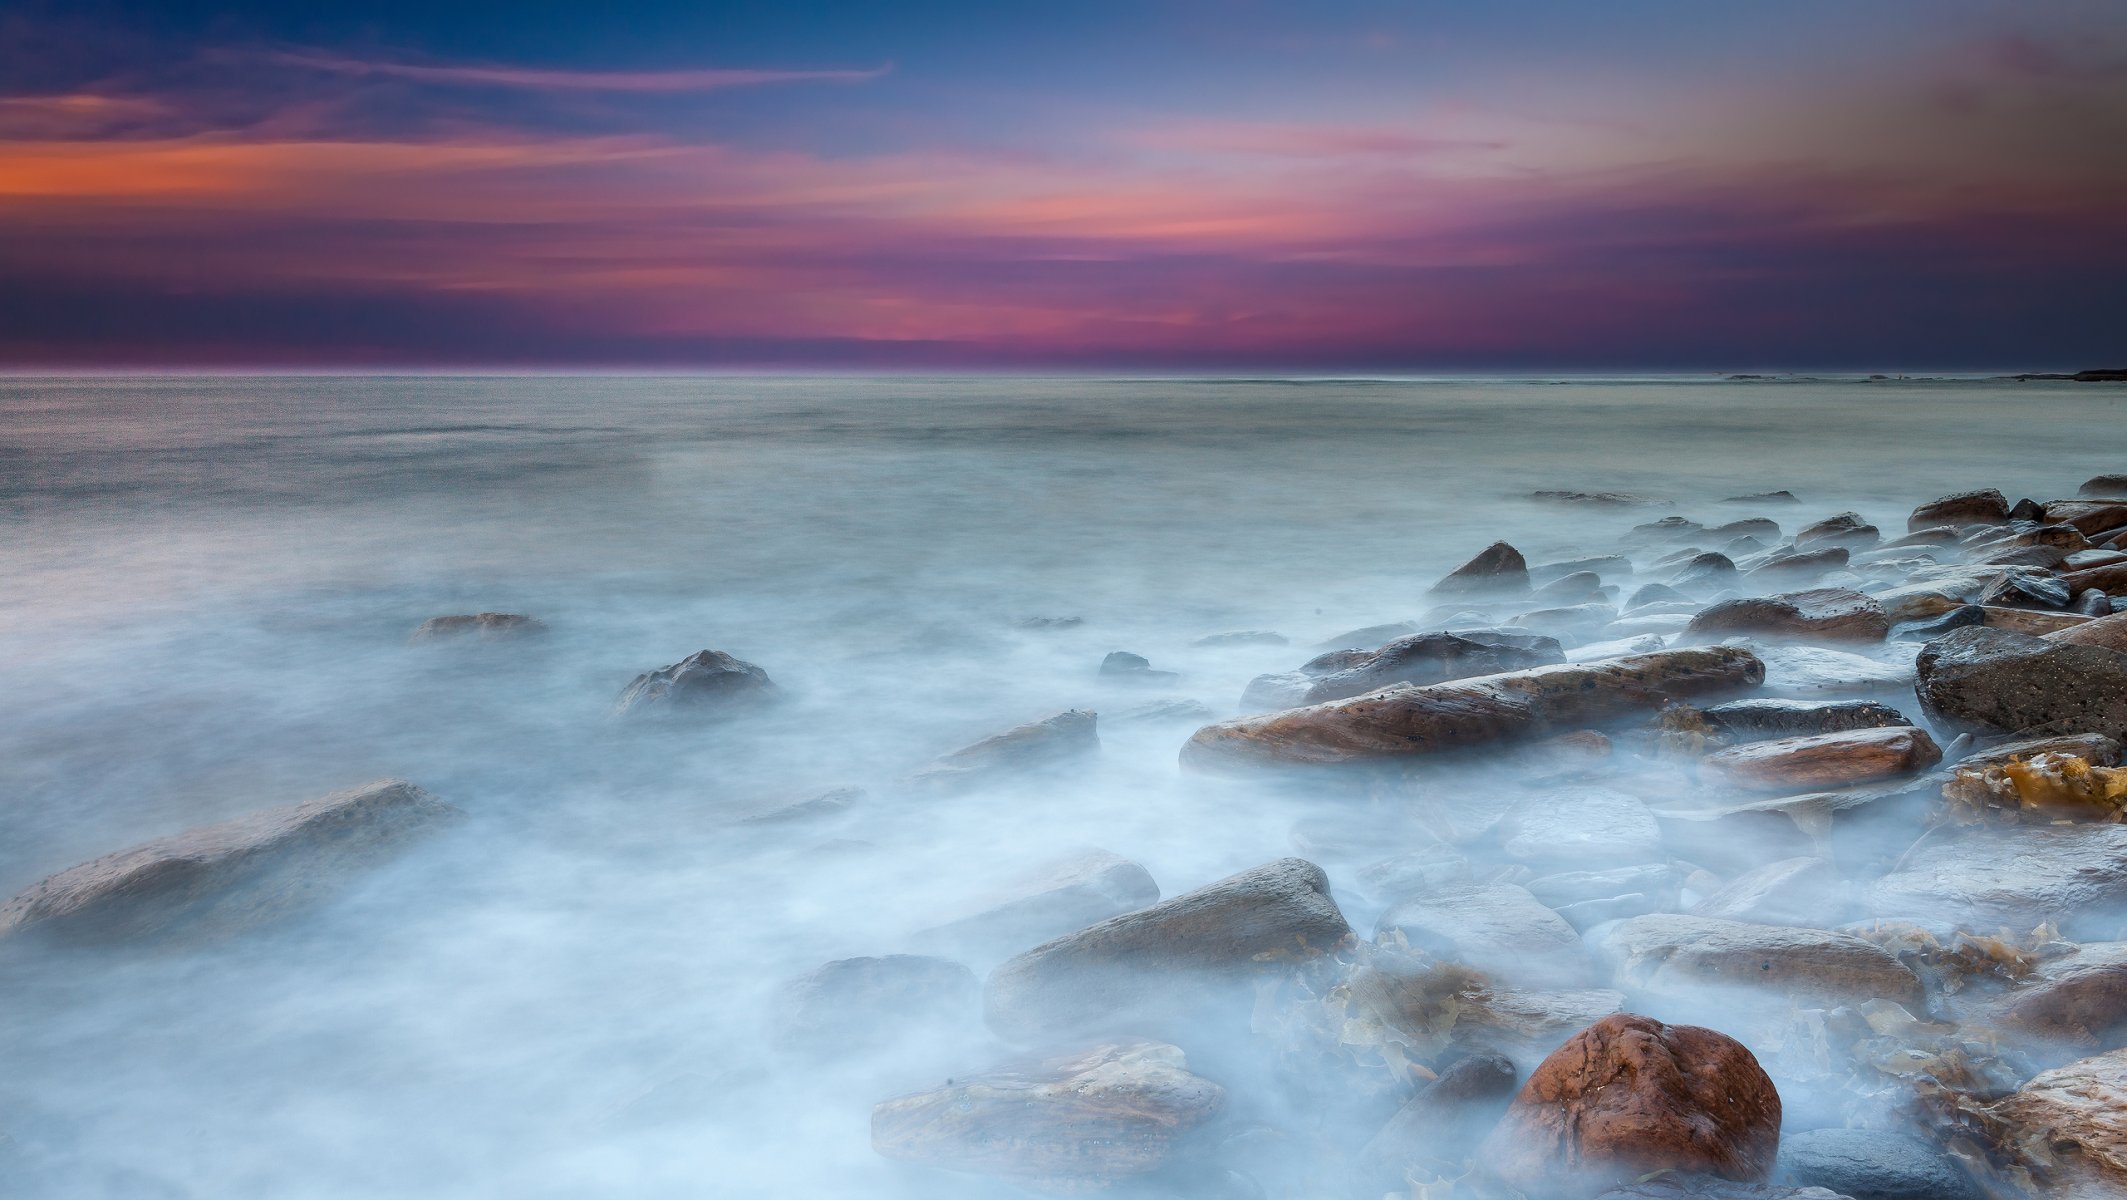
(1405, 720)
(2027, 510)
(1068, 1124)
(1637, 627)
(1244, 637)
(1657, 593)
(1672, 1186)
(2092, 517)
(1934, 535)
(1497, 568)
(1599, 499)
(1918, 601)
(1576, 620)
(2110, 580)
(2031, 559)
(1718, 962)
(2031, 621)
(1584, 826)
(1440, 1121)
(1646, 643)
(1798, 568)
(2103, 486)
(705, 680)
(1802, 671)
(2083, 560)
(1371, 638)
(1823, 614)
(2072, 1121)
(1668, 529)
(1121, 666)
(2017, 878)
(1066, 739)
(1277, 691)
(1793, 891)
(1052, 900)
(1578, 588)
(1149, 960)
(1498, 928)
(486, 627)
(826, 806)
(1846, 529)
(2091, 603)
(2079, 998)
(1606, 565)
(1986, 507)
(1706, 574)
(1757, 527)
(1630, 1096)
(1576, 887)
(2091, 747)
(217, 879)
(2108, 633)
(1194, 712)
(855, 1004)
(1934, 627)
(1995, 681)
(1867, 1164)
(2026, 589)
(1783, 496)
(1755, 719)
(1825, 760)
(1435, 658)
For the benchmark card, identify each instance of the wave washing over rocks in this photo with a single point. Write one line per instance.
(1756, 858)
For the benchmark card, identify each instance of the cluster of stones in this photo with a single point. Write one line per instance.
(1588, 992)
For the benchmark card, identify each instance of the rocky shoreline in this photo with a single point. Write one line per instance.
(1814, 885)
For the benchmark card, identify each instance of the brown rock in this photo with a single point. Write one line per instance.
(1629, 1096)
(2093, 517)
(2030, 620)
(1150, 960)
(2104, 486)
(1440, 1120)
(1986, 507)
(2071, 1123)
(1497, 568)
(2109, 632)
(2081, 997)
(487, 626)
(2110, 580)
(220, 878)
(1436, 658)
(1846, 529)
(1675, 955)
(1074, 1123)
(1825, 760)
(1799, 567)
(1520, 705)
(1823, 614)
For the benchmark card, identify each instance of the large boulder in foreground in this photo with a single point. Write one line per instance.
(1498, 568)
(1820, 614)
(1152, 961)
(1406, 720)
(705, 680)
(1052, 742)
(1824, 760)
(223, 877)
(1629, 1096)
(2073, 875)
(2071, 1124)
(1075, 1123)
(1994, 681)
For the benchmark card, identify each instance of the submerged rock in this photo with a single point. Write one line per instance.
(1630, 1096)
(1995, 681)
(1242, 637)
(1717, 961)
(1406, 720)
(2103, 486)
(705, 680)
(2071, 1123)
(1121, 666)
(1796, 671)
(1498, 928)
(1793, 891)
(1823, 614)
(1934, 627)
(1062, 740)
(486, 627)
(1765, 717)
(1825, 760)
(854, 1004)
(1581, 826)
(1440, 1120)
(2025, 589)
(1800, 567)
(1783, 496)
(1153, 959)
(2080, 998)
(1073, 1123)
(1706, 574)
(2074, 875)
(1052, 900)
(1434, 658)
(1846, 529)
(1497, 568)
(826, 806)
(1870, 1164)
(220, 878)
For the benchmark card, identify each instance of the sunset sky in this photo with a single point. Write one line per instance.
(1160, 184)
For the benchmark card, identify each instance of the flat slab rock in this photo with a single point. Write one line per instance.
(1050, 901)
(1801, 672)
(2075, 875)
(1772, 717)
(1671, 954)
(1062, 740)
(1870, 1164)
(1824, 760)
(1820, 614)
(2079, 998)
(1629, 1096)
(1151, 960)
(223, 877)
(1074, 1123)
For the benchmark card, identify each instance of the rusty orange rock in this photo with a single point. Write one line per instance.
(1825, 760)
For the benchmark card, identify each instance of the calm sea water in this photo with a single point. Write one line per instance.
(206, 587)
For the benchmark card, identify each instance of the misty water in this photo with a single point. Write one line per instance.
(209, 586)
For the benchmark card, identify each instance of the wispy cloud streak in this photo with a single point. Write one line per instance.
(708, 79)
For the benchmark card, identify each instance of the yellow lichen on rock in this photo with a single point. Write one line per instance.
(2049, 788)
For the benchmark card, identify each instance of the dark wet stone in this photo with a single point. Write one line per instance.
(1121, 666)
(1934, 627)
(2104, 487)
(2026, 589)
(862, 1003)
(708, 680)
(1497, 568)
(1985, 507)
(1656, 593)
(1750, 720)
(1846, 529)
(1995, 681)
(1868, 1164)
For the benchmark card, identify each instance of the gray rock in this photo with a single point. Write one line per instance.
(1793, 891)
(217, 879)
(1066, 739)
(1707, 574)
(1867, 1164)
(1580, 587)
(1934, 627)
(1585, 826)
(824, 807)
(1440, 1121)
(1242, 637)
(2026, 589)
(1720, 962)
(1846, 529)
(1428, 869)
(855, 1004)
(1047, 902)
(486, 627)
(1121, 666)
(1768, 717)
(1433, 658)
(1498, 568)
(1986, 680)
(1755, 527)
(708, 680)
(2075, 875)
(1668, 529)
(1158, 959)
(2104, 487)
(1783, 496)
(1498, 928)
(1658, 593)
(1802, 567)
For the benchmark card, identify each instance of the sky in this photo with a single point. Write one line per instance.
(1149, 185)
